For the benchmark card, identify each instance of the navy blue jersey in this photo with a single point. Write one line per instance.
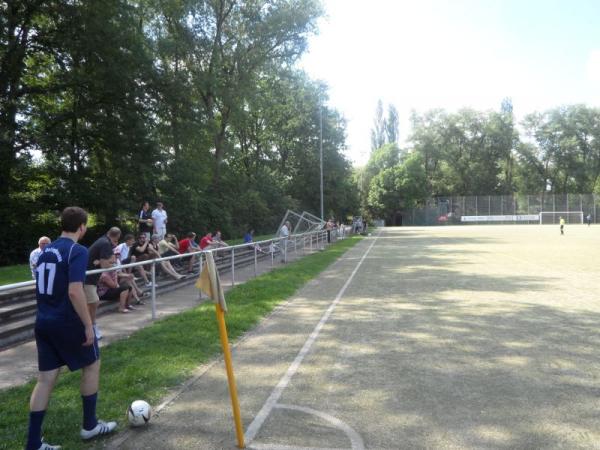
(62, 262)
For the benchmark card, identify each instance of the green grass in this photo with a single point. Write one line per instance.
(160, 357)
(15, 274)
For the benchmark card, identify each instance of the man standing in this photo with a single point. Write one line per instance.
(100, 254)
(284, 232)
(145, 220)
(588, 218)
(329, 226)
(562, 225)
(35, 254)
(63, 330)
(159, 218)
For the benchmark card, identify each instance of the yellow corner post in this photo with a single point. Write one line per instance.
(239, 431)
(209, 283)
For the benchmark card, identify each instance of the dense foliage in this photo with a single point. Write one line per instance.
(483, 153)
(197, 103)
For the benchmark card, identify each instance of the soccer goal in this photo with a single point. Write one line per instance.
(553, 217)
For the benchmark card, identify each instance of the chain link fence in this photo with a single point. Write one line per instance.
(507, 209)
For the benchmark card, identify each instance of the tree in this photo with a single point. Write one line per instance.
(378, 131)
(385, 131)
(392, 127)
(396, 188)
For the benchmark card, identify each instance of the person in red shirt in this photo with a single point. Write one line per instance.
(206, 242)
(188, 245)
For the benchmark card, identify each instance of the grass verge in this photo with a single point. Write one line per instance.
(158, 358)
(14, 274)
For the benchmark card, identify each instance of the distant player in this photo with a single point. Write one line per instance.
(562, 225)
(588, 218)
(63, 329)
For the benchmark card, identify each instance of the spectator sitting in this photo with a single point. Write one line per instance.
(171, 239)
(125, 276)
(217, 239)
(35, 254)
(168, 246)
(109, 289)
(123, 250)
(249, 239)
(188, 245)
(140, 251)
(128, 280)
(207, 243)
(165, 265)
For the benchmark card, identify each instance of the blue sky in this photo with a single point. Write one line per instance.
(449, 54)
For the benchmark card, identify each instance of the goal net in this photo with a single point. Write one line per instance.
(302, 223)
(553, 217)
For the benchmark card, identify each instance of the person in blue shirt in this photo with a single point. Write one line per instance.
(63, 329)
(249, 236)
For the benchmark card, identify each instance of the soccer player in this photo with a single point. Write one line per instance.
(63, 329)
(562, 225)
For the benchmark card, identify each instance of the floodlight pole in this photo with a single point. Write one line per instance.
(321, 155)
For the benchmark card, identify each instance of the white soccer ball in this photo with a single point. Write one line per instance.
(139, 413)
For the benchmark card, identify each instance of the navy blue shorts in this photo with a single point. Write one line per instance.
(61, 345)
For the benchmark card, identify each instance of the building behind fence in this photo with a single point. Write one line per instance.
(498, 209)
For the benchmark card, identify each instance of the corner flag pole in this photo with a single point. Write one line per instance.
(209, 282)
(239, 431)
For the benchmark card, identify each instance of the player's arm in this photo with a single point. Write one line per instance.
(79, 302)
(77, 265)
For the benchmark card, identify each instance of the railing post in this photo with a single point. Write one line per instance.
(153, 289)
(232, 267)
(200, 290)
(272, 248)
(255, 262)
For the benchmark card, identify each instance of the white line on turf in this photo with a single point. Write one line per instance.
(264, 412)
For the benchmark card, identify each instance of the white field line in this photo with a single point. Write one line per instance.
(262, 415)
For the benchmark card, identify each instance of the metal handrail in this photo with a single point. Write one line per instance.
(200, 253)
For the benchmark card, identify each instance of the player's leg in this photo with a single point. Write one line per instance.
(92, 427)
(38, 405)
(42, 390)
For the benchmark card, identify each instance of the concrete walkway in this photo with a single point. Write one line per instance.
(18, 364)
